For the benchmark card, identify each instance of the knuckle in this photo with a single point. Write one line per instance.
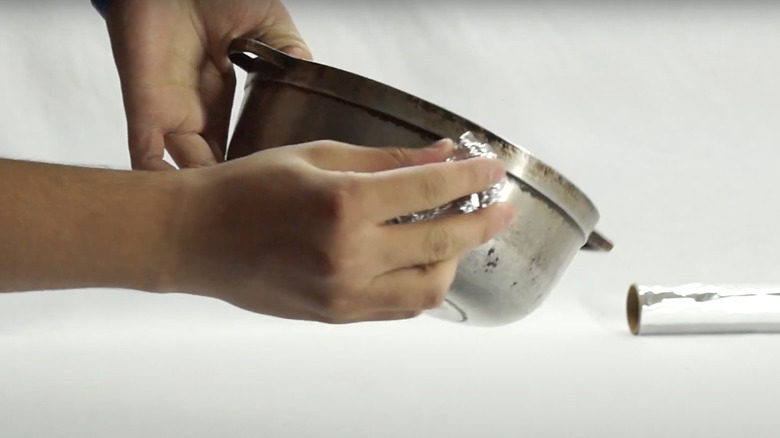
(336, 308)
(395, 299)
(433, 188)
(437, 243)
(329, 145)
(339, 249)
(434, 297)
(326, 265)
(398, 156)
(339, 200)
(429, 300)
(335, 260)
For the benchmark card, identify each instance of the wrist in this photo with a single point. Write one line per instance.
(146, 216)
(187, 228)
(174, 193)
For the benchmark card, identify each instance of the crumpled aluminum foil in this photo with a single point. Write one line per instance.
(467, 147)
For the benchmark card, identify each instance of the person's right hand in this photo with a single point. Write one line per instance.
(301, 231)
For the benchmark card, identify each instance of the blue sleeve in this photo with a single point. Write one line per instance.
(101, 6)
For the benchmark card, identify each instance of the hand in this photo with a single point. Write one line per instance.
(301, 231)
(177, 82)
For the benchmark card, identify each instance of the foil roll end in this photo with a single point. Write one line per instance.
(633, 309)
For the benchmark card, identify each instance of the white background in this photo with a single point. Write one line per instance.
(666, 114)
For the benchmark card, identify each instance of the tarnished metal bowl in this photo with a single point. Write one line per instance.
(290, 101)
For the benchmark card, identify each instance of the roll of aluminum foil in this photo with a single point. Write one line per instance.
(702, 308)
(467, 147)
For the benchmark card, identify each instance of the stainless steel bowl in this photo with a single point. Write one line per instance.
(289, 101)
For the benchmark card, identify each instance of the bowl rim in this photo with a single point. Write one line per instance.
(269, 64)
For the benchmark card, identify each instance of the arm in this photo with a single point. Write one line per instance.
(281, 232)
(68, 227)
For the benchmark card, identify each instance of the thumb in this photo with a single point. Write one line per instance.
(279, 31)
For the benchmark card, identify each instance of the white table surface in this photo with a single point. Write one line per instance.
(667, 116)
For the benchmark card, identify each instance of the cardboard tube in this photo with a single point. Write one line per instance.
(702, 308)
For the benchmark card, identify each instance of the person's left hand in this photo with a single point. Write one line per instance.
(177, 82)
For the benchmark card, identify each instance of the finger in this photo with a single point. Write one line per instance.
(217, 89)
(151, 133)
(350, 158)
(397, 192)
(147, 151)
(393, 315)
(386, 315)
(412, 289)
(279, 31)
(189, 150)
(425, 242)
